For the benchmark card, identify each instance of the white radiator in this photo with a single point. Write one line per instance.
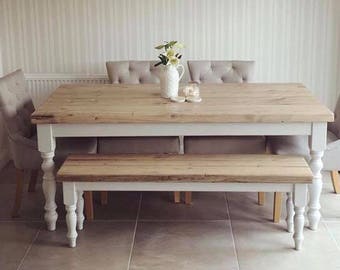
(40, 86)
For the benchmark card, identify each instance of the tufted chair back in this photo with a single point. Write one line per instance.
(335, 126)
(16, 105)
(134, 72)
(221, 71)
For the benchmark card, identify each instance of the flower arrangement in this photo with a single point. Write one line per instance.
(170, 56)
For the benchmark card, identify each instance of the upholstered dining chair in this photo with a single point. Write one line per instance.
(16, 107)
(223, 72)
(135, 72)
(299, 145)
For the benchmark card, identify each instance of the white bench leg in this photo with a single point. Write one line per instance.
(70, 201)
(300, 198)
(80, 210)
(290, 212)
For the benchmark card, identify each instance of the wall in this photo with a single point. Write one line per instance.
(291, 40)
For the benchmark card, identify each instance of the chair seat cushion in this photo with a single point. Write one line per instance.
(224, 145)
(298, 145)
(66, 146)
(26, 155)
(138, 145)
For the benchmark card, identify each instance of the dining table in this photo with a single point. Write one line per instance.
(230, 109)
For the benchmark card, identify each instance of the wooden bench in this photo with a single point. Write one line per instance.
(269, 173)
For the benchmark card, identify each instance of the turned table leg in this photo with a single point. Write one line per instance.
(80, 210)
(290, 212)
(317, 145)
(49, 189)
(46, 144)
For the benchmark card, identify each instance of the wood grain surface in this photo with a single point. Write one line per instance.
(221, 103)
(186, 168)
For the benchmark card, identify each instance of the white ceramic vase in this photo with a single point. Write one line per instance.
(170, 80)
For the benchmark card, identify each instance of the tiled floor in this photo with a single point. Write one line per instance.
(147, 231)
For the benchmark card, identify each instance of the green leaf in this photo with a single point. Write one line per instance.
(172, 43)
(159, 47)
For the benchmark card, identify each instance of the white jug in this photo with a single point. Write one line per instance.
(170, 80)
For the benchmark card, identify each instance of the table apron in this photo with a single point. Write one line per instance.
(176, 129)
(186, 186)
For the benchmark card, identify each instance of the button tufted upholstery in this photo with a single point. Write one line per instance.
(16, 106)
(335, 126)
(134, 72)
(298, 145)
(221, 71)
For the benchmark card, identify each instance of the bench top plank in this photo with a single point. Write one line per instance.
(221, 103)
(185, 168)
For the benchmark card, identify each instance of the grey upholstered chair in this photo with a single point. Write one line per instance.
(299, 145)
(223, 72)
(16, 107)
(136, 72)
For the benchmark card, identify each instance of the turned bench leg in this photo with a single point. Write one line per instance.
(70, 201)
(300, 198)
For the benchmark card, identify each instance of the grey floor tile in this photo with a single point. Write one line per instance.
(244, 206)
(101, 245)
(15, 239)
(334, 230)
(184, 245)
(121, 206)
(31, 206)
(267, 246)
(7, 174)
(205, 206)
(329, 201)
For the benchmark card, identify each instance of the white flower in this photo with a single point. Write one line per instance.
(170, 53)
(174, 61)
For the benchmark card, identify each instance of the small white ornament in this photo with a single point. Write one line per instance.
(177, 99)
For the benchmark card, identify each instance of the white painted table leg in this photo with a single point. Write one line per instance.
(46, 144)
(80, 210)
(290, 212)
(317, 146)
(300, 198)
(70, 201)
(49, 189)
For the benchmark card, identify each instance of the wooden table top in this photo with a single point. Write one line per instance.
(182, 168)
(221, 103)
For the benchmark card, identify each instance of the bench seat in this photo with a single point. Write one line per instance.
(272, 173)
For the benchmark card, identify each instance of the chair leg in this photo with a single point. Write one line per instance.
(277, 207)
(177, 197)
(104, 197)
(188, 197)
(33, 181)
(336, 181)
(18, 193)
(89, 205)
(260, 198)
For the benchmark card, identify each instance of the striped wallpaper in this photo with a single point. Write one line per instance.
(291, 40)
